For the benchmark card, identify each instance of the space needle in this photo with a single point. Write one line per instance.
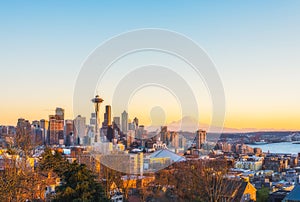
(97, 101)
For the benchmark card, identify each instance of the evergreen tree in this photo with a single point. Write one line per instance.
(78, 182)
(79, 185)
(52, 162)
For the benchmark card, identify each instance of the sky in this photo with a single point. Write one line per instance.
(255, 46)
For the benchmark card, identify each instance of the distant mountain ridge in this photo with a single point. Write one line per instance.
(190, 124)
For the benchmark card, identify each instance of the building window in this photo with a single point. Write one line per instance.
(247, 197)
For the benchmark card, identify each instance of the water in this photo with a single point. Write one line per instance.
(282, 147)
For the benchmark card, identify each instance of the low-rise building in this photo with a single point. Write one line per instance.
(252, 163)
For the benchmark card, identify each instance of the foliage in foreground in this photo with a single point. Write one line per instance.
(78, 182)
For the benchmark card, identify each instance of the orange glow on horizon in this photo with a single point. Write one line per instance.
(234, 121)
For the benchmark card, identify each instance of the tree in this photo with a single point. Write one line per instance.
(262, 194)
(213, 179)
(52, 161)
(79, 185)
(9, 179)
(19, 182)
(194, 180)
(123, 181)
(78, 182)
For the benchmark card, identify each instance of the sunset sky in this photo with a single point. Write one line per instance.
(255, 46)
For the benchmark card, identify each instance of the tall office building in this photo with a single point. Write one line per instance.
(80, 129)
(60, 113)
(106, 123)
(174, 140)
(35, 123)
(110, 135)
(23, 131)
(56, 130)
(90, 133)
(56, 127)
(116, 121)
(93, 119)
(7, 130)
(108, 114)
(182, 142)
(107, 117)
(69, 127)
(69, 131)
(124, 122)
(136, 122)
(164, 134)
(37, 133)
(140, 132)
(23, 126)
(45, 125)
(200, 138)
(130, 137)
(131, 126)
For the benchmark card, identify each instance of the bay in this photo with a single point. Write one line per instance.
(282, 147)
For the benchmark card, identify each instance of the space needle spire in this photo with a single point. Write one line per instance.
(97, 101)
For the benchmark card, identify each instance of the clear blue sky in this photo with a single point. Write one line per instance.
(255, 45)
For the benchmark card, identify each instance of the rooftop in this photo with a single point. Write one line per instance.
(164, 153)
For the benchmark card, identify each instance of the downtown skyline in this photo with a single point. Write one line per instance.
(256, 55)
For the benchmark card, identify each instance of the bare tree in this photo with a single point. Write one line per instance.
(213, 179)
(194, 180)
(19, 179)
(9, 178)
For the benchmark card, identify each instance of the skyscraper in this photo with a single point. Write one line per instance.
(80, 129)
(131, 126)
(200, 138)
(56, 130)
(37, 133)
(23, 126)
(45, 126)
(23, 132)
(106, 122)
(110, 133)
(93, 119)
(164, 134)
(69, 131)
(174, 140)
(107, 117)
(56, 127)
(116, 121)
(124, 122)
(60, 113)
(136, 122)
